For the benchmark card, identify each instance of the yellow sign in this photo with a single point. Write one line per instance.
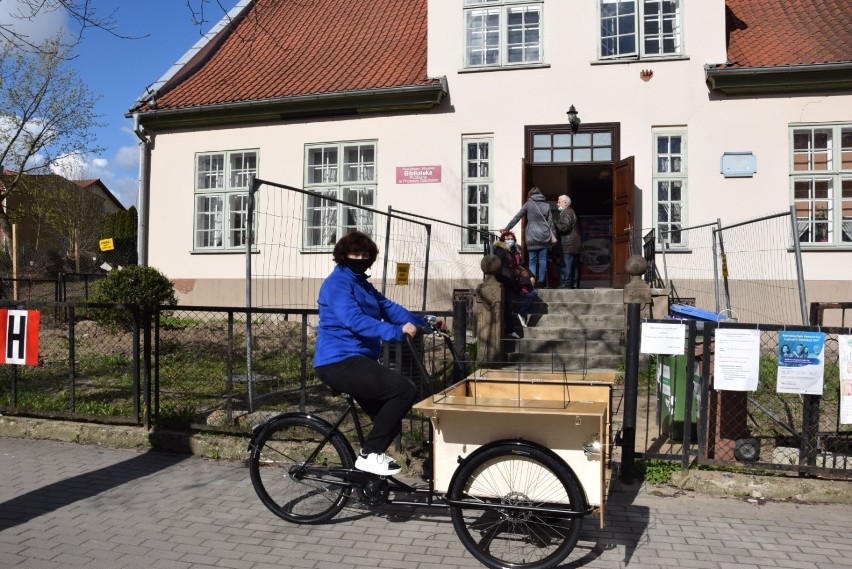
(106, 244)
(402, 273)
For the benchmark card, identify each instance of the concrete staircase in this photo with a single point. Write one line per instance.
(571, 330)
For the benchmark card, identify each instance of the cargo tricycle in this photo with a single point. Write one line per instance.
(517, 457)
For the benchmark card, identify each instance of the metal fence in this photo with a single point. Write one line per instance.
(687, 419)
(184, 366)
(750, 271)
(295, 230)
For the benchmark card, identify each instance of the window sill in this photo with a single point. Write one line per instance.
(221, 251)
(827, 248)
(504, 68)
(624, 60)
(678, 251)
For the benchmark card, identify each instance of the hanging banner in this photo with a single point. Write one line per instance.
(844, 344)
(737, 360)
(801, 361)
(19, 336)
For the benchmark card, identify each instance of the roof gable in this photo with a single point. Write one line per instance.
(276, 49)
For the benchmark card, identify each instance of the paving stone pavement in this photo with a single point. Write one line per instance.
(64, 505)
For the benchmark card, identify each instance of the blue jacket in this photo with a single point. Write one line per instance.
(355, 318)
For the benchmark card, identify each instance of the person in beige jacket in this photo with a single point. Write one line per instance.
(568, 230)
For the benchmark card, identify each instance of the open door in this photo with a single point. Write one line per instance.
(622, 219)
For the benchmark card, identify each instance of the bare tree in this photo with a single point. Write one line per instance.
(46, 114)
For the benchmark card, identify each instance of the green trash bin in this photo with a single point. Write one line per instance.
(671, 396)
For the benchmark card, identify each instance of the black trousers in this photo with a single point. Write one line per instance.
(385, 395)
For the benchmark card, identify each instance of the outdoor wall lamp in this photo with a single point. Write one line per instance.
(573, 119)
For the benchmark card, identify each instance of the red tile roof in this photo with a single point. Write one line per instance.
(289, 48)
(766, 33)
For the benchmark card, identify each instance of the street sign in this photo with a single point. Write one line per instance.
(106, 244)
(19, 336)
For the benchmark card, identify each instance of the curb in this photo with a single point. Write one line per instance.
(209, 445)
(234, 447)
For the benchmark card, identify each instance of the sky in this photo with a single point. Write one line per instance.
(118, 71)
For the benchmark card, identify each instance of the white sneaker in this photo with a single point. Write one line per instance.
(377, 463)
(515, 336)
(522, 320)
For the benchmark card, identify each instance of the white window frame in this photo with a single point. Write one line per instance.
(821, 183)
(641, 22)
(224, 184)
(344, 176)
(478, 176)
(666, 173)
(502, 9)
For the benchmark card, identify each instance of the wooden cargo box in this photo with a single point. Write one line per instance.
(550, 409)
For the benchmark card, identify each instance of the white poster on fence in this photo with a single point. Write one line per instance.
(801, 361)
(662, 338)
(737, 359)
(844, 344)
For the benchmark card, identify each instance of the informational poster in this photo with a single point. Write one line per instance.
(844, 344)
(736, 363)
(801, 361)
(596, 248)
(662, 338)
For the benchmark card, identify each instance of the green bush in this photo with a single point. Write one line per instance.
(145, 286)
(656, 471)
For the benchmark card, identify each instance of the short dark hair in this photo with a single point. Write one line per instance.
(355, 242)
(533, 191)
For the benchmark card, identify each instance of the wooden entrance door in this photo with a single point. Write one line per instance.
(622, 219)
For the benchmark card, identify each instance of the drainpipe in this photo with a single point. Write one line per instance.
(143, 192)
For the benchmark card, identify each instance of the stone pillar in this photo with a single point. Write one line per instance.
(489, 312)
(636, 294)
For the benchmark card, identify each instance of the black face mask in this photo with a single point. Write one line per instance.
(359, 266)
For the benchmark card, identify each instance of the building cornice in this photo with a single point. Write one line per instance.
(814, 78)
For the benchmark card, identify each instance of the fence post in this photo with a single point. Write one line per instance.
(136, 363)
(146, 356)
(636, 293)
(460, 336)
(72, 370)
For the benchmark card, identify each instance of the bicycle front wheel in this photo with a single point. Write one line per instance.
(519, 476)
(293, 489)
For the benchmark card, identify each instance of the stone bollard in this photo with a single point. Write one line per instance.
(489, 311)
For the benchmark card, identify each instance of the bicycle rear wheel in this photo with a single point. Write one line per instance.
(290, 487)
(516, 475)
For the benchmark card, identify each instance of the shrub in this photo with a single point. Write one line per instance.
(145, 286)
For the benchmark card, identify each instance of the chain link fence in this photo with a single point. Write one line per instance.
(687, 418)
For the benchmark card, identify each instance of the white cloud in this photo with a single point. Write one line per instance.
(45, 25)
(127, 158)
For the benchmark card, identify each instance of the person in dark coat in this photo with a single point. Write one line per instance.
(538, 231)
(517, 283)
(568, 230)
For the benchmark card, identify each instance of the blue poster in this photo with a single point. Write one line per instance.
(801, 362)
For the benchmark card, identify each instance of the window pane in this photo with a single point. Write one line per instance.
(562, 140)
(846, 149)
(322, 165)
(582, 155)
(243, 167)
(210, 171)
(583, 139)
(846, 210)
(321, 219)
(359, 163)
(237, 216)
(208, 221)
(602, 139)
(562, 155)
(541, 141)
(482, 36)
(358, 217)
(602, 154)
(541, 156)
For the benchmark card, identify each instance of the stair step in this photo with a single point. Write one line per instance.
(576, 334)
(571, 347)
(577, 322)
(567, 362)
(577, 308)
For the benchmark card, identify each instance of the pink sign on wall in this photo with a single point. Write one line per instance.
(418, 174)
